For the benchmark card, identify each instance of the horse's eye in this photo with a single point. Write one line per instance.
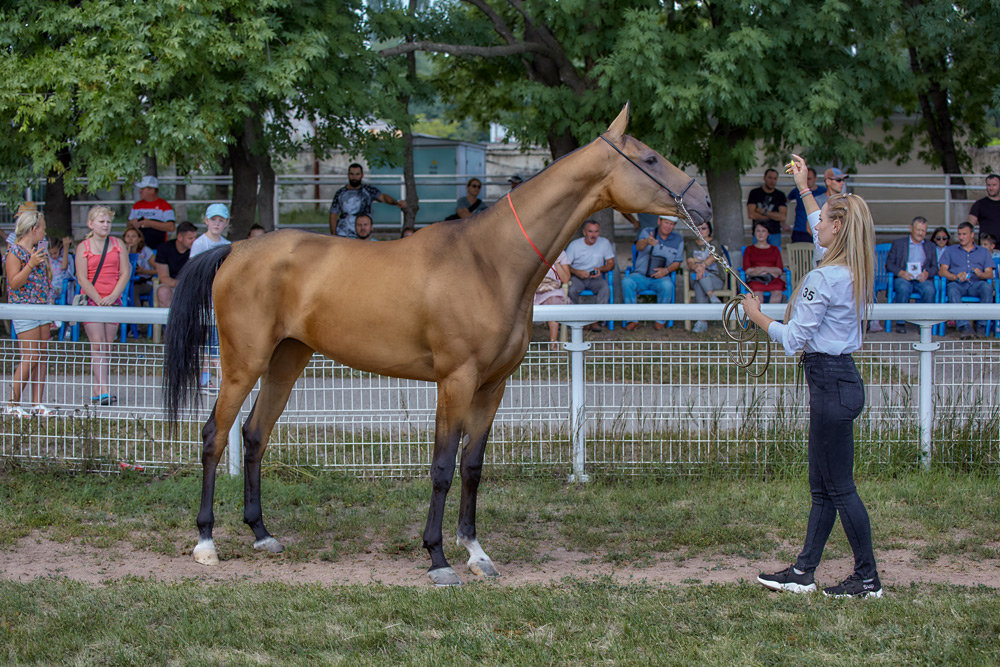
(651, 160)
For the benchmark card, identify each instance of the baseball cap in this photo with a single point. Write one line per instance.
(220, 210)
(669, 217)
(516, 178)
(833, 172)
(27, 207)
(148, 182)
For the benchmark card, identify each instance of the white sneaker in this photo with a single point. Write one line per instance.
(701, 326)
(14, 410)
(42, 410)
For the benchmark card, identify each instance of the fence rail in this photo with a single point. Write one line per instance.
(610, 406)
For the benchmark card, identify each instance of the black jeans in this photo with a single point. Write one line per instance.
(836, 398)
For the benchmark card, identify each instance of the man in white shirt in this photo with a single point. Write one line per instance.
(590, 257)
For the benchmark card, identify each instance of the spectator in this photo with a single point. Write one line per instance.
(355, 199)
(763, 266)
(800, 228)
(967, 267)
(704, 273)
(515, 181)
(103, 272)
(834, 179)
(152, 215)
(216, 221)
(912, 263)
(170, 259)
(550, 292)
(989, 242)
(61, 264)
(768, 205)
(941, 239)
(25, 207)
(659, 253)
(470, 203)
(589, 258)
(363, 228)
(985, 212)
(29, 280)
(407, 231)
(144, 268)
(256, 231)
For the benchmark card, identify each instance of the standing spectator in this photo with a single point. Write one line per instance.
(470, 203)
(763, 266)
(550, 292)
(825, 319)
(589, 258)
(704, 273)
(355, 199)
(216, 221)
(767, 204)
(103, 271)
(144, 269)
(800, 228)
(29, 281)
(967, 267)
(363, 228)
(152, 215)
(985, 212)
(941, 239)
(912, 263)
(170, 259)
(61, 264)
(659, 253)
(834, 179)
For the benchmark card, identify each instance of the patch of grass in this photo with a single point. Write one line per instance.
(576, 622)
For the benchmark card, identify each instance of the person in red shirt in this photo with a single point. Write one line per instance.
(763, 265)
(152, 215)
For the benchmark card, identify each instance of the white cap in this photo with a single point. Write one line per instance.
(148, 182)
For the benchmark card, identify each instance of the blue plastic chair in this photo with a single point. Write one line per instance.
(648, 292)
(883, 279)
(941, 291)
(610, 277)
(786, 293)
(130, 300)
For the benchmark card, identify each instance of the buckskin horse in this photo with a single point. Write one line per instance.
(393, 308)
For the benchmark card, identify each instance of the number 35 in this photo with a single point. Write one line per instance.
(808, 293)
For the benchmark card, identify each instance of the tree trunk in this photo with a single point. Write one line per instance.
(409, 177)
(727, 209)
(180, 199)
(225, 166)
(58, 205)
(266, 193)
(936, 112)
(245, 176)
(151, 166)
(562, 144)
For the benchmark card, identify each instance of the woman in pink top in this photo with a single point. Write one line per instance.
(102, 289)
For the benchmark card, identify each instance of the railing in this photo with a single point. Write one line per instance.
(626, 407)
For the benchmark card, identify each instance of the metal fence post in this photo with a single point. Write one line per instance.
(926, 347)
(577, 401)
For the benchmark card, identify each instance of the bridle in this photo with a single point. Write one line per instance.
(737, 328)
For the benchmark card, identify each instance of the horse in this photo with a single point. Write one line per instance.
(450, 304)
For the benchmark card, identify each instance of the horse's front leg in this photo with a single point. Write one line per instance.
(454, 397)
(484, 409)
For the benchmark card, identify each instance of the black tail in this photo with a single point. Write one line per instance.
(187, 329)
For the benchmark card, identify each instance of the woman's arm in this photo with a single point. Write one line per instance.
(800, 172)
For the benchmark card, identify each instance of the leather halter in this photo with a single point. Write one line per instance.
(677, 197)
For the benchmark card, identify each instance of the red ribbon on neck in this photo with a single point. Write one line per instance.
(523, 231)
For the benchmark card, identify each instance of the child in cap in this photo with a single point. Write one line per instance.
(216, 221)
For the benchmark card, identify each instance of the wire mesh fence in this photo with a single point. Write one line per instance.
(650, 406)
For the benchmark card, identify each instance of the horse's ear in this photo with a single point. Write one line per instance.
(617, 127)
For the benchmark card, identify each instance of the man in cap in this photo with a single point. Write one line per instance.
(152, 215)
(659, 253)
(356, 199)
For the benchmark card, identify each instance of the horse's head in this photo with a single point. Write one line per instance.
(632, 191)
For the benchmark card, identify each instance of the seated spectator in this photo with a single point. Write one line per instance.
(967, 267)
(170, 259)
(941, 239)
(363, 228)
(550, 292)
(407, 231)
(912, 263)
(470, 203)
(989, 242)
(589, 258)
(256, 231)
(763, 266)
(659, 253)
(216, 221)
(705, 275)
(61, 262)
(145, 270)
(152, 215)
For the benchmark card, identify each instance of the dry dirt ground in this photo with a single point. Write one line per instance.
(36, 556)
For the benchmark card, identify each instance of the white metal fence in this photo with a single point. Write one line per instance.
(611, 406)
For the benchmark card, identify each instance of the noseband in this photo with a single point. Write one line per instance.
(737, 328)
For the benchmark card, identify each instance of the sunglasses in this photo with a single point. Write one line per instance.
(940, 238)
(839, 180)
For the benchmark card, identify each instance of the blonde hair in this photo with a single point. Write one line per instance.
(25, 222)
(93, 212)
(853, 247)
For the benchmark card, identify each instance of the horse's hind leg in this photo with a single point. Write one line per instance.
(287, 363)
(484, 409)
(233, 390)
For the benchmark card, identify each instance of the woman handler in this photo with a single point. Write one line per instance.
(826, 317)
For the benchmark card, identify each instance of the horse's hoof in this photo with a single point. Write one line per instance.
(269, 544)
(205, 554)
(444, 576)
(483, 567)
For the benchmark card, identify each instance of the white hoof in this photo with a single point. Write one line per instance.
(205, 554)
(483, 567)
(269, 544)
(444, 576)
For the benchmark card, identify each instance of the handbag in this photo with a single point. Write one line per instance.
(81, 298)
